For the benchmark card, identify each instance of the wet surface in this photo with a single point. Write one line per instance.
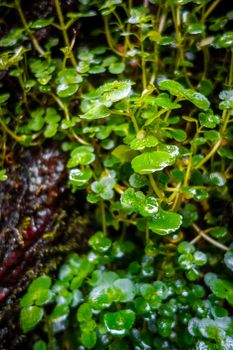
(36, 227)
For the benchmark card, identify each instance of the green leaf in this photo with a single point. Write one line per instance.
(217, 179)
(197, 98)
(64, 90)
(225, 40)
(185, 248)
(88, 337)
(195, 28)
(120, 322)
(228, 259)
(42, 282)
(4, 97)
(137, 180)
(40, 345)
(30, 317)
(149, 162)
(179, 135)
(97, 112)
(143, 140)
(100, 242)
(51, 116)
(164, 101)
(209, 328)
(3, 176)
(127, 289)
(208, 119)
(79, 177)
(84, 313)
(12, 38)
(117, 68)
(222, 289)
(58, 317)
(172, 86)
(132, 200)
(115, 91)
(123, 153)
(165, 222)
(41, 23)
(50, 130)
(81, 155)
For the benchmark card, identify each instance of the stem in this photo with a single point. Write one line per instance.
(226, 114)
(109, 37)
(209, 239)
(134, 121)
(67, 116)
(210, 9)
(104, 223)
(209, 155)
(11, 133)
(23, 19)
(64, 31)
(143, 63)
(155, 187)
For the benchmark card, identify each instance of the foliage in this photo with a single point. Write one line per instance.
(146, 120)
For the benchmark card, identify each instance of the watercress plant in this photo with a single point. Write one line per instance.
(142, 103)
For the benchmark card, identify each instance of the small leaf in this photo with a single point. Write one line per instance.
(172, 86)
(127, 289)
(88, 337)
(120, 322)
(84, 313)
(40, 345)
(149, 162)
(165, 222)
(3, 176)
(98, 112)
(41, 23)
(116, 68)
(4, 97)
(197, 98)
(143, 140)
(208, 119)
(42, 282)
(79, 177)
(100, 242)
(196, 28)
(50, 130)
(164, 101)
(115, 91)
(228, 259)
(30, 317)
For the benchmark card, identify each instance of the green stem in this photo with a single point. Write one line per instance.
(210, 9)
(5, 128)
(134, 121)
(23, 19)
(155, 187)
(143, 63)
(209, 155)
(64, 31)
(109, 37)
(104, 223)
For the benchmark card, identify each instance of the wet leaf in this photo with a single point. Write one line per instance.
(165, 222)
(150, 162)
(97, 112)
(30, 317)
(120, 322)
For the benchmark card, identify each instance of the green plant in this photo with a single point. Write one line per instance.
(146, 119)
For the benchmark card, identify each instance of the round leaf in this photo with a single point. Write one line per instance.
(119, 323)
(165, 222)
(149, 162)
